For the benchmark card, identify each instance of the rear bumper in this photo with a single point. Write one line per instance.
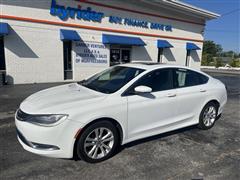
(222, 104)
(57, 141)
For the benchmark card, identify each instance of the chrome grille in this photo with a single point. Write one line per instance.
(22, 116)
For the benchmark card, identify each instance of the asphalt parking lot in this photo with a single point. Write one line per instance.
(189, 153)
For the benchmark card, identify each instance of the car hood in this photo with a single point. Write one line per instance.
(60, 99)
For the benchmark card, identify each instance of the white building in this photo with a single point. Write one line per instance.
(68, 40)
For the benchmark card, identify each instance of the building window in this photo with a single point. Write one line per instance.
(114, 57)
(67, 60)
(120, 55)
(2, 55)
(187, 63)
(160, 55)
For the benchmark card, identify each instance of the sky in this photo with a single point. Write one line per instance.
(226, 29)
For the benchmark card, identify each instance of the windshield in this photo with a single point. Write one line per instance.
(112, 79)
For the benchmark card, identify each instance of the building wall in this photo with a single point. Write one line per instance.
(33, 54)
(34, 51)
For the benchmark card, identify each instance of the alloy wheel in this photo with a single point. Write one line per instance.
(209, 116)
(99, 143)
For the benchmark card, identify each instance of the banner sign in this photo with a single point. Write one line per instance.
(139, 23)
(68, 12)
(64, 13)
(91, 53)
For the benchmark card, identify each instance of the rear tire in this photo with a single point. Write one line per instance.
(208, 116)
(97, 142)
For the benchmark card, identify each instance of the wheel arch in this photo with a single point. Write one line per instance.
(211, 100)
(201, 124)
(113, 121)
(215, 101)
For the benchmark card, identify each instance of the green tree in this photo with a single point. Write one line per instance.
(235, 63)
(228, 54)
(205, 60)
(231, 54)
(218, 62)
(209, 47)
(210, 50)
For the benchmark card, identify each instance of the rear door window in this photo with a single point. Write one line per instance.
(187, 78)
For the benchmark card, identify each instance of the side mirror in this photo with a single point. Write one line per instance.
(143, 89)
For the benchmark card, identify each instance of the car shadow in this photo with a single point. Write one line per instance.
(145, 140)
(159, 136)
(148, 139)
(155, 137)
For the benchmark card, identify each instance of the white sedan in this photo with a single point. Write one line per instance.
(124, 103)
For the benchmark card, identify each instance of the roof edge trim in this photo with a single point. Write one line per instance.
(191, 8)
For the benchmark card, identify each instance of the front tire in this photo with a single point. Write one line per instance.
(208, 116)
(97, 142)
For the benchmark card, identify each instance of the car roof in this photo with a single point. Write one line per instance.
(155, 65)
(150, 65)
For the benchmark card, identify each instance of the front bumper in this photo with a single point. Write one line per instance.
(57, 141)
(34, 145)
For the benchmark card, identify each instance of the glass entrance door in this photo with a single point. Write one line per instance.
(125, 55)
(115, 56)
(119, 56)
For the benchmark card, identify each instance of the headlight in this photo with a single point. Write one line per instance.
(47, 120)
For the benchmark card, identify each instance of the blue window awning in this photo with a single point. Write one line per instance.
(122, 40)
(192, 46)
(69, 35)
(4, 29)
(163, 44)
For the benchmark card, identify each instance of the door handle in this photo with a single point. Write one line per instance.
(203, 90)
(171, 95)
